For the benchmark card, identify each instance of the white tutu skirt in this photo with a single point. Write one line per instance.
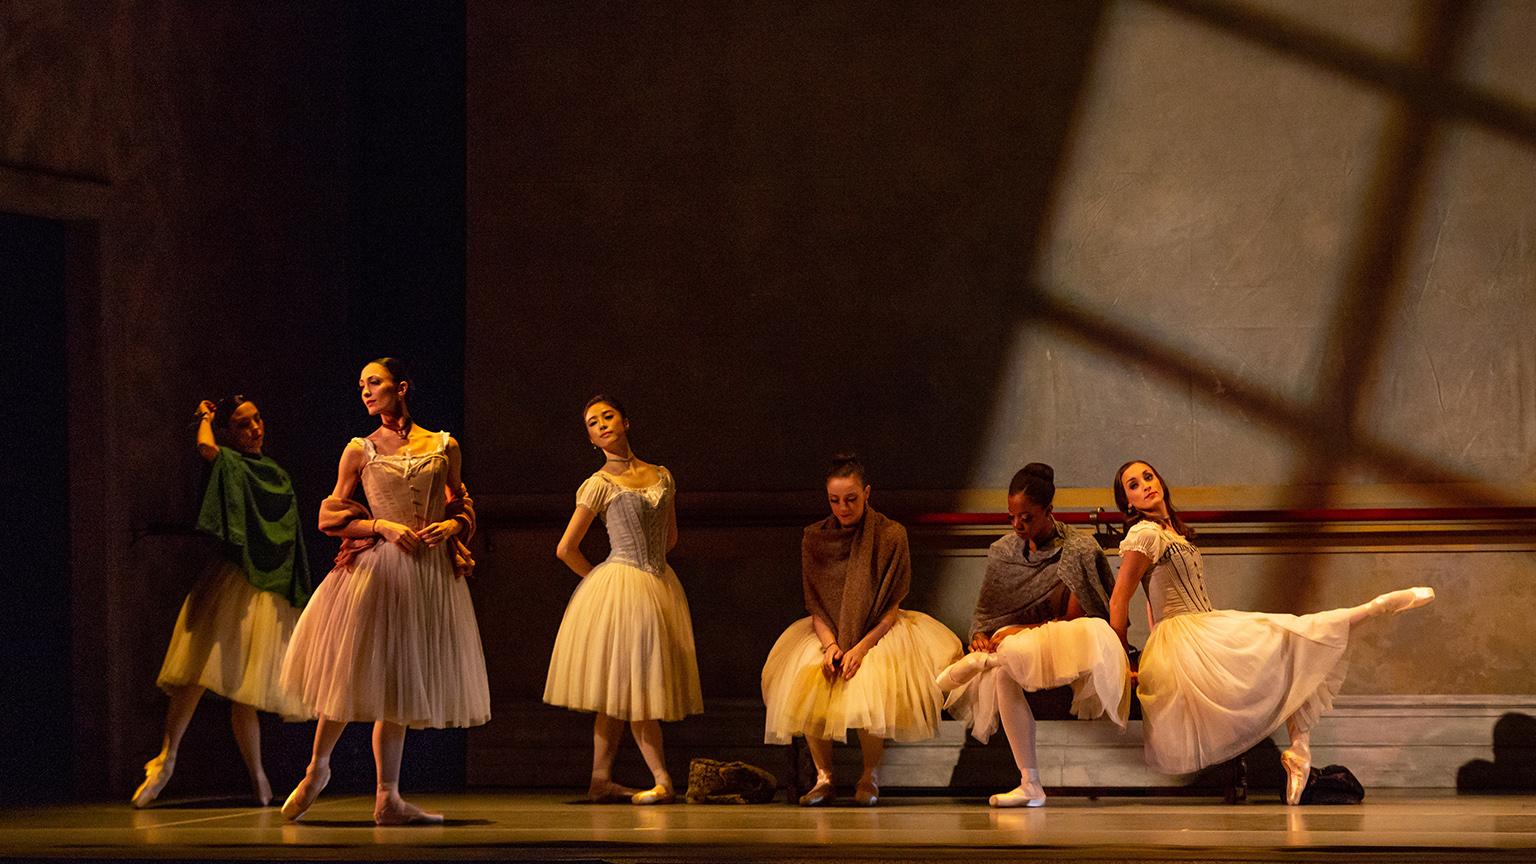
(892, 695)
(1213, 684)
(625, 647)
(1083, 652)
(391, 637)
(230, 638)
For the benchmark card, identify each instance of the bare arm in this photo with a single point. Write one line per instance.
(831, 652)
(569, 549)
(1132, 566)
(207, 447)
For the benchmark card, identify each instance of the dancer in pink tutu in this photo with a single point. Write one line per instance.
(390, 635)
(1040, 622)
(235, 624)
(1213, 683)
(625, 646)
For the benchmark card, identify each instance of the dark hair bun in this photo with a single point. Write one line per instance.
(847, 464)
(1041, 470)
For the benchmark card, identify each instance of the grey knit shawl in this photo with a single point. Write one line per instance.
(1019, 583)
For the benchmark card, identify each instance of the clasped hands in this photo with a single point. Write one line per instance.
(427, 537)
(835, 661)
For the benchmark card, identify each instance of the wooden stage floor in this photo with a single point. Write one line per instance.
(545, 827)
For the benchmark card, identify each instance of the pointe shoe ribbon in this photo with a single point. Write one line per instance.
(964, 669)
(303, 795)
(657, 794)
(822, 793)
(157, 773)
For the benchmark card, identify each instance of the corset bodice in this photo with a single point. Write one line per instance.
(409, 489)
(637, 525)
(1175, 583)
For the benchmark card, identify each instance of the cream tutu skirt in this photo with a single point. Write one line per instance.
(230, 638)
(391, 637)
(1213, 684)
(1083, 652)
(892, 695)
(625, 647)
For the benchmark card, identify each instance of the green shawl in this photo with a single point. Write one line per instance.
(250, 506)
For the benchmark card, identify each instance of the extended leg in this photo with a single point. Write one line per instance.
(1392, 601)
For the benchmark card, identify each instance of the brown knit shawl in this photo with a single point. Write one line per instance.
(336, 513)
(853, 576)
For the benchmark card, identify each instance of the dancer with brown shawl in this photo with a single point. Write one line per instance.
(390, 636)
(859, 661)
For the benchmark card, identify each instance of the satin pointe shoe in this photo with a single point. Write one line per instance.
(1403, 600)
(1028, 793)
(964, 669)
(609, 792)
(1297, 761)
(157, 773)
(303, 795)
(657, 794)
(821, 794)
(867, 793)
(394, 810)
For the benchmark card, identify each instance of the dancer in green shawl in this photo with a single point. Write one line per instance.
(235, 624)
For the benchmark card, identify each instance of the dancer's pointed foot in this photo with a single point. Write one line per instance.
(822, 793)
(1297, 761)
(609, 792)
(867, 792)
(1403, 600)
(1027, 794)
(390, 809)
(661, 793)
(261, 789)
(303, 795)
(157, 773)
(965, 669)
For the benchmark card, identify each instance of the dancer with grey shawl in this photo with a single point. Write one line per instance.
(858, 661)
(1041, 621)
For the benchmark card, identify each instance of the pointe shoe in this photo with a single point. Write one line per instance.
(658, 794)
(821, 794)
(1024, 795)
(157, 773)
(394, 810)
(1297, 762)
(965, 669)
(303, 795)
(609, 792)
(1403, 600)
(867, 793)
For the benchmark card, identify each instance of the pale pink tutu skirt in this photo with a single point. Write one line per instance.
(391, 637)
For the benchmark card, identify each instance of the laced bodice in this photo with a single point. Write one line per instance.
(636, 518)
(1175, 583)
(406, 488)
